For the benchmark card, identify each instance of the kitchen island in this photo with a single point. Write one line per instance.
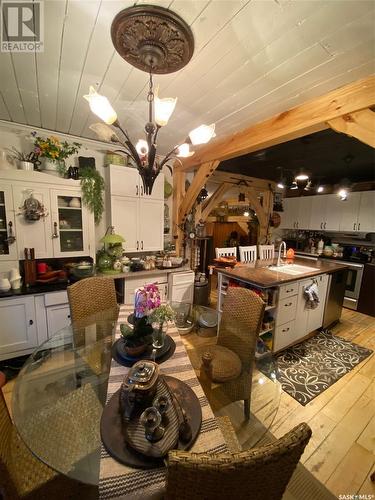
(287, 318)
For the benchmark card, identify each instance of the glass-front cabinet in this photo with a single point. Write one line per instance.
(70, 224)
(8, 247)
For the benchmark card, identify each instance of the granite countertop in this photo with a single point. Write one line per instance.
(257, 273)
(59, 286)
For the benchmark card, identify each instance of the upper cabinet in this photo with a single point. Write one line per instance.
(296, 213)
(8, 246)
(139, 218)
(328, 213)
(66, 228)
(126, 181)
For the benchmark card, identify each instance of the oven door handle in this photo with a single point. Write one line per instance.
(357, 266)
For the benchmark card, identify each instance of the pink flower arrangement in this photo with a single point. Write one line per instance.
(147, 298)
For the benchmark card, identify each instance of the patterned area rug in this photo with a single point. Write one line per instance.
(309, 368)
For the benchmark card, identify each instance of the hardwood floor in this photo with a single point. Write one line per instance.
(341, 452)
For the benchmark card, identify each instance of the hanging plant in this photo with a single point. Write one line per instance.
(92, 185)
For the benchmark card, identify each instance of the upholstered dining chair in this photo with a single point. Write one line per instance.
(91, 296)
(266, 252)
(22, 476)
(230, 362)
(248, 254)
(258, 473)
(226, 252)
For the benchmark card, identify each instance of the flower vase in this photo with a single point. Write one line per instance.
(158, 335)
(53, 167)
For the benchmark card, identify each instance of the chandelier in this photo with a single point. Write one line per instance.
(158, 41)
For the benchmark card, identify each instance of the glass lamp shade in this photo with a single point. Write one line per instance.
(101, 107)
(183, 151)
(142, 147)
(202, 134)
(163, 109)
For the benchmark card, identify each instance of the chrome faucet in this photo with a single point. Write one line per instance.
(279, 256)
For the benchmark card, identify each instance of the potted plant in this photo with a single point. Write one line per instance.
(159, 318)
(54, 152)
(137, 339)
(26, 161)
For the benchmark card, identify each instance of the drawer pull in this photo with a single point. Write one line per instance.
(68, 316)
(286, 329)
(291, 290)
(31, 322)
(287, 305)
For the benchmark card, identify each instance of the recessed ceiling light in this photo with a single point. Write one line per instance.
(320, 189)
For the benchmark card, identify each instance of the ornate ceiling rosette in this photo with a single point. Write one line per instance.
(152, 39)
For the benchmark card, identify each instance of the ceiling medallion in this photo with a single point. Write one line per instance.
(152, 38)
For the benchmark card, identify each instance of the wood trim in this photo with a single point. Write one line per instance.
(309, 117)
(203, 173)
(215, 199)
(360, 124)
(178, 195)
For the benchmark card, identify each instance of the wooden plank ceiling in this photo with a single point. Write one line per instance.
(253, 59)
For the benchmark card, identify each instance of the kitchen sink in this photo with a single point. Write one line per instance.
(292, 269)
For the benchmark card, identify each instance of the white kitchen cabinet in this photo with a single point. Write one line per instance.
(33, 234)
(126, 181)
(366, 214)
(296, 213)
(132, 283)
(181, 287)
(284, 335)
(326, 213)
(18, 326)
(309, 320)
(58, 317)
(139, 221)
(151, 224)
(70, 224)
(349, 211)
(125, 219)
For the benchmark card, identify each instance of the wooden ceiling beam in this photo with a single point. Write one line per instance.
(199, 180)
(307, 118)
(215, 199)
(220, 176)
(359, 124)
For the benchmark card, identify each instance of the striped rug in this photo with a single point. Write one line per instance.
(118, 481)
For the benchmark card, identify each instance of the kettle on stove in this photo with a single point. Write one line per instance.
(138, 388)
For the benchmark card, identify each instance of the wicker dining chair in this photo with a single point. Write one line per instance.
(230, 361)
(22, 476)
(258, 474)
(90, 296)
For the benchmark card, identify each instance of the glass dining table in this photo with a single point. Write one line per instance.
(60, 393)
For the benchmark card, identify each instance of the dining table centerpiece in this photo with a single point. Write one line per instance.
(139, 336)
(159, 319)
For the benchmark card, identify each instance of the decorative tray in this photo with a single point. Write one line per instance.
(128, 444)
(123, 358)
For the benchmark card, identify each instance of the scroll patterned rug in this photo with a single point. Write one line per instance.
(309, 368)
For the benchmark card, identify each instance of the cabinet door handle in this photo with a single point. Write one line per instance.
(136, 190)
(141, 190)
(166, 290)
(354, 225)
(321, 225)
(68, 316)
(31, 322)
(285, 330)
(359, 226)
(297, 224)
(11, 238)
(137, 245)
(141, 244)
(55, 233)
(325, 225)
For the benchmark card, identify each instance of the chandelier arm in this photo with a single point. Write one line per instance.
(129, 145)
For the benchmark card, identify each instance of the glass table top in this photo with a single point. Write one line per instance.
(60, 393)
